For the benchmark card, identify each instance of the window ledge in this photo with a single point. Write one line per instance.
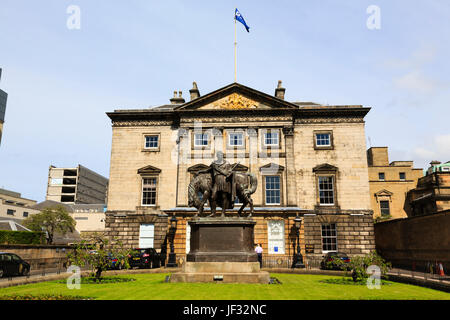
(323, 148)
(150, 150)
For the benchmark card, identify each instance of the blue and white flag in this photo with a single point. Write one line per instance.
(240, 18)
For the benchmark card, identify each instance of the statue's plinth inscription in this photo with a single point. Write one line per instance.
(222, 249)
(222, 240)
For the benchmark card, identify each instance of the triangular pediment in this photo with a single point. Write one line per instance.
(197, 167)
(149, 170)
(240, 167)
(271, 168)
(325, 167)
(236, 97)
(383, 192)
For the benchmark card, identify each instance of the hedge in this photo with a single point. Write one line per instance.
(20, 237)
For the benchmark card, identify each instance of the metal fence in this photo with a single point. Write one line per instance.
(426, 270)
(287, 262)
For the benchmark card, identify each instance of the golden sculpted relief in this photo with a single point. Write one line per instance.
(235, 101)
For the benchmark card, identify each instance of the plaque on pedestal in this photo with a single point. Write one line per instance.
(222, 249)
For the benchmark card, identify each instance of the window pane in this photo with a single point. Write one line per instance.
(384, 207)
(323, 139)
(151, 141)
(201, 139)
(149, 191)
(271, 138)
(329, 237)
(402, 176)
(273, 192)
(326, 190)
(236, 139)
(381, 176)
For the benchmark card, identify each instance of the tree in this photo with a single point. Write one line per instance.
(358, 265)
(51, 220)
(97, 252)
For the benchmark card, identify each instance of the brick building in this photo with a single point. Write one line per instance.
(309, 159)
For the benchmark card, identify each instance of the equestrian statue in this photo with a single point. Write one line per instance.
(219, 184)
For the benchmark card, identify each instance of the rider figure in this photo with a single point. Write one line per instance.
(221, 171)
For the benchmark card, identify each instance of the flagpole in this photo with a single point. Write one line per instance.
(235, 48)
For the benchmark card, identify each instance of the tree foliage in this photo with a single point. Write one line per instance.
(20, 237)
(358, 265)
(51, 220)
(97, 252)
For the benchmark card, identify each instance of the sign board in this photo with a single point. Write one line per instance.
(309, 248)
(146, 235)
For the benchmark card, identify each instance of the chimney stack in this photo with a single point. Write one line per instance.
(279, 91)
(195, 93)
(177, 100)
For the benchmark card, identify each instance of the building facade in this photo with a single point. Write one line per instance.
(3, 98)
(77, 185)
(14, 207)
(389, 184)
(432, 193)
(89, 218)
(309, 159)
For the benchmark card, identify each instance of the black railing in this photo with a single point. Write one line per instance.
(287, 262)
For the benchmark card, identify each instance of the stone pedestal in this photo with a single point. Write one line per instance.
(222, 250)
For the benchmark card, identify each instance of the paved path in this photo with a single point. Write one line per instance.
(433, 281)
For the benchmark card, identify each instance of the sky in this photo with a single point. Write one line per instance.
(133, 54)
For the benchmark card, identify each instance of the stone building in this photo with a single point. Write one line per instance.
(309, 159)
(389, 184)
(14, 207)
(77, 185)
(432, 193)
(423, 238)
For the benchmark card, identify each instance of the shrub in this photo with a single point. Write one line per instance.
(20, 237)
(358, 265)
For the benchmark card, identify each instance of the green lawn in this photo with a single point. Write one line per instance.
(293, 287)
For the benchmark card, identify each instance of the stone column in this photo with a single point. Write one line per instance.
(252, 149)
(291, 192)
(184, 158)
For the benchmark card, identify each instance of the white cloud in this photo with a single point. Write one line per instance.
(416, 81)
(413, 77)
(437, 149)
(417, 59)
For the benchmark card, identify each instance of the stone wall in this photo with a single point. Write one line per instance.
(347, 154)
(415, 241)
(39, 256)
(355, 234)
(124, 226)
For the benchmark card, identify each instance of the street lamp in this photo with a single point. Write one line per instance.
(172, 262)
(298, 258)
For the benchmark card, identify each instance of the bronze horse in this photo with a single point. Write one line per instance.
(203, 184)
